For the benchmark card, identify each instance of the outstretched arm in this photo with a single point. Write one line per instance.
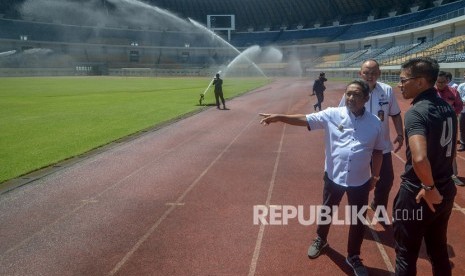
(296, 119)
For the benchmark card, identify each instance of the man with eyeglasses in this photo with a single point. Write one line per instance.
(353, 138)
(426, 185)
(383, 104)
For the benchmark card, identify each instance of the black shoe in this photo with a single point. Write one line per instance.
(314, 107)
(461, 147)
(356, 263)
(316, 247)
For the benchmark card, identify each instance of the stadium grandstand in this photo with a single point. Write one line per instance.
(156, 37)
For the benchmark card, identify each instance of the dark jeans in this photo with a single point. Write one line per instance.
(320, 98)
(384, 185)
(462, 128)
(410, 229)
(356, 196)
(219, 95)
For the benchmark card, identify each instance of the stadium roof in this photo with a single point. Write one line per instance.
(268, 13)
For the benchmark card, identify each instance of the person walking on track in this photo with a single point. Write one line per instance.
(319, 89)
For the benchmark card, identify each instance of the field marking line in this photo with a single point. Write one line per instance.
(399, 157)
(261, 232)
(380, 246)
(458, 208)
(87, 201)
(177, 203)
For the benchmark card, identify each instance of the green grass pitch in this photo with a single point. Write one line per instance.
(46, 120)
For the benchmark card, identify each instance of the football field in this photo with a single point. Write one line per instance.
(49, 119)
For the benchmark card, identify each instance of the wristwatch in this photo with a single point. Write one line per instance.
(375, 178)
(427, 188)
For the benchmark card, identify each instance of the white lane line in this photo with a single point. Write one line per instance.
(87, 201)
(400, 158)
(261, 232)
(380, 246)
(458, 208)
(174, 205)
(374, 234)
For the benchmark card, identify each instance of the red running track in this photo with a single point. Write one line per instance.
(179, 201)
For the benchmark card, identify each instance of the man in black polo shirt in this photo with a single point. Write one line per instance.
(425, 199)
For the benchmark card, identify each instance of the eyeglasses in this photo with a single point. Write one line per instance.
(403, 81)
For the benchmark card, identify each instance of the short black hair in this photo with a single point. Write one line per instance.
(363, 84)
(449, 75)
(443, 74)
(322, 74)
(424, 67)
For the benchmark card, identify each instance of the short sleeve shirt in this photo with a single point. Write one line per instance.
(382, 103)
(435, 119)
(349, 143)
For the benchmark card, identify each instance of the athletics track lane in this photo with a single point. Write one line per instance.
(179, 201)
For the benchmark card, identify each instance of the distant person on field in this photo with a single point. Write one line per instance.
(383, 104)
(318, 89)
(218, 83)
(452, 97)
(353, 140)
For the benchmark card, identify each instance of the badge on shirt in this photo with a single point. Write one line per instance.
(381, 115)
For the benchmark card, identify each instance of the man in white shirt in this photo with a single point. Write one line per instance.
(353, 139)
(383, 104)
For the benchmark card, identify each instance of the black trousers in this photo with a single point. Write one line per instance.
(384, 185)
(356, 196)
(218, 96)
(410, 228)
(320, 98)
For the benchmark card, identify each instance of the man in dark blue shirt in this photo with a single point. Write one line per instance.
(218, 83)
(318, 89)
(425, 199)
